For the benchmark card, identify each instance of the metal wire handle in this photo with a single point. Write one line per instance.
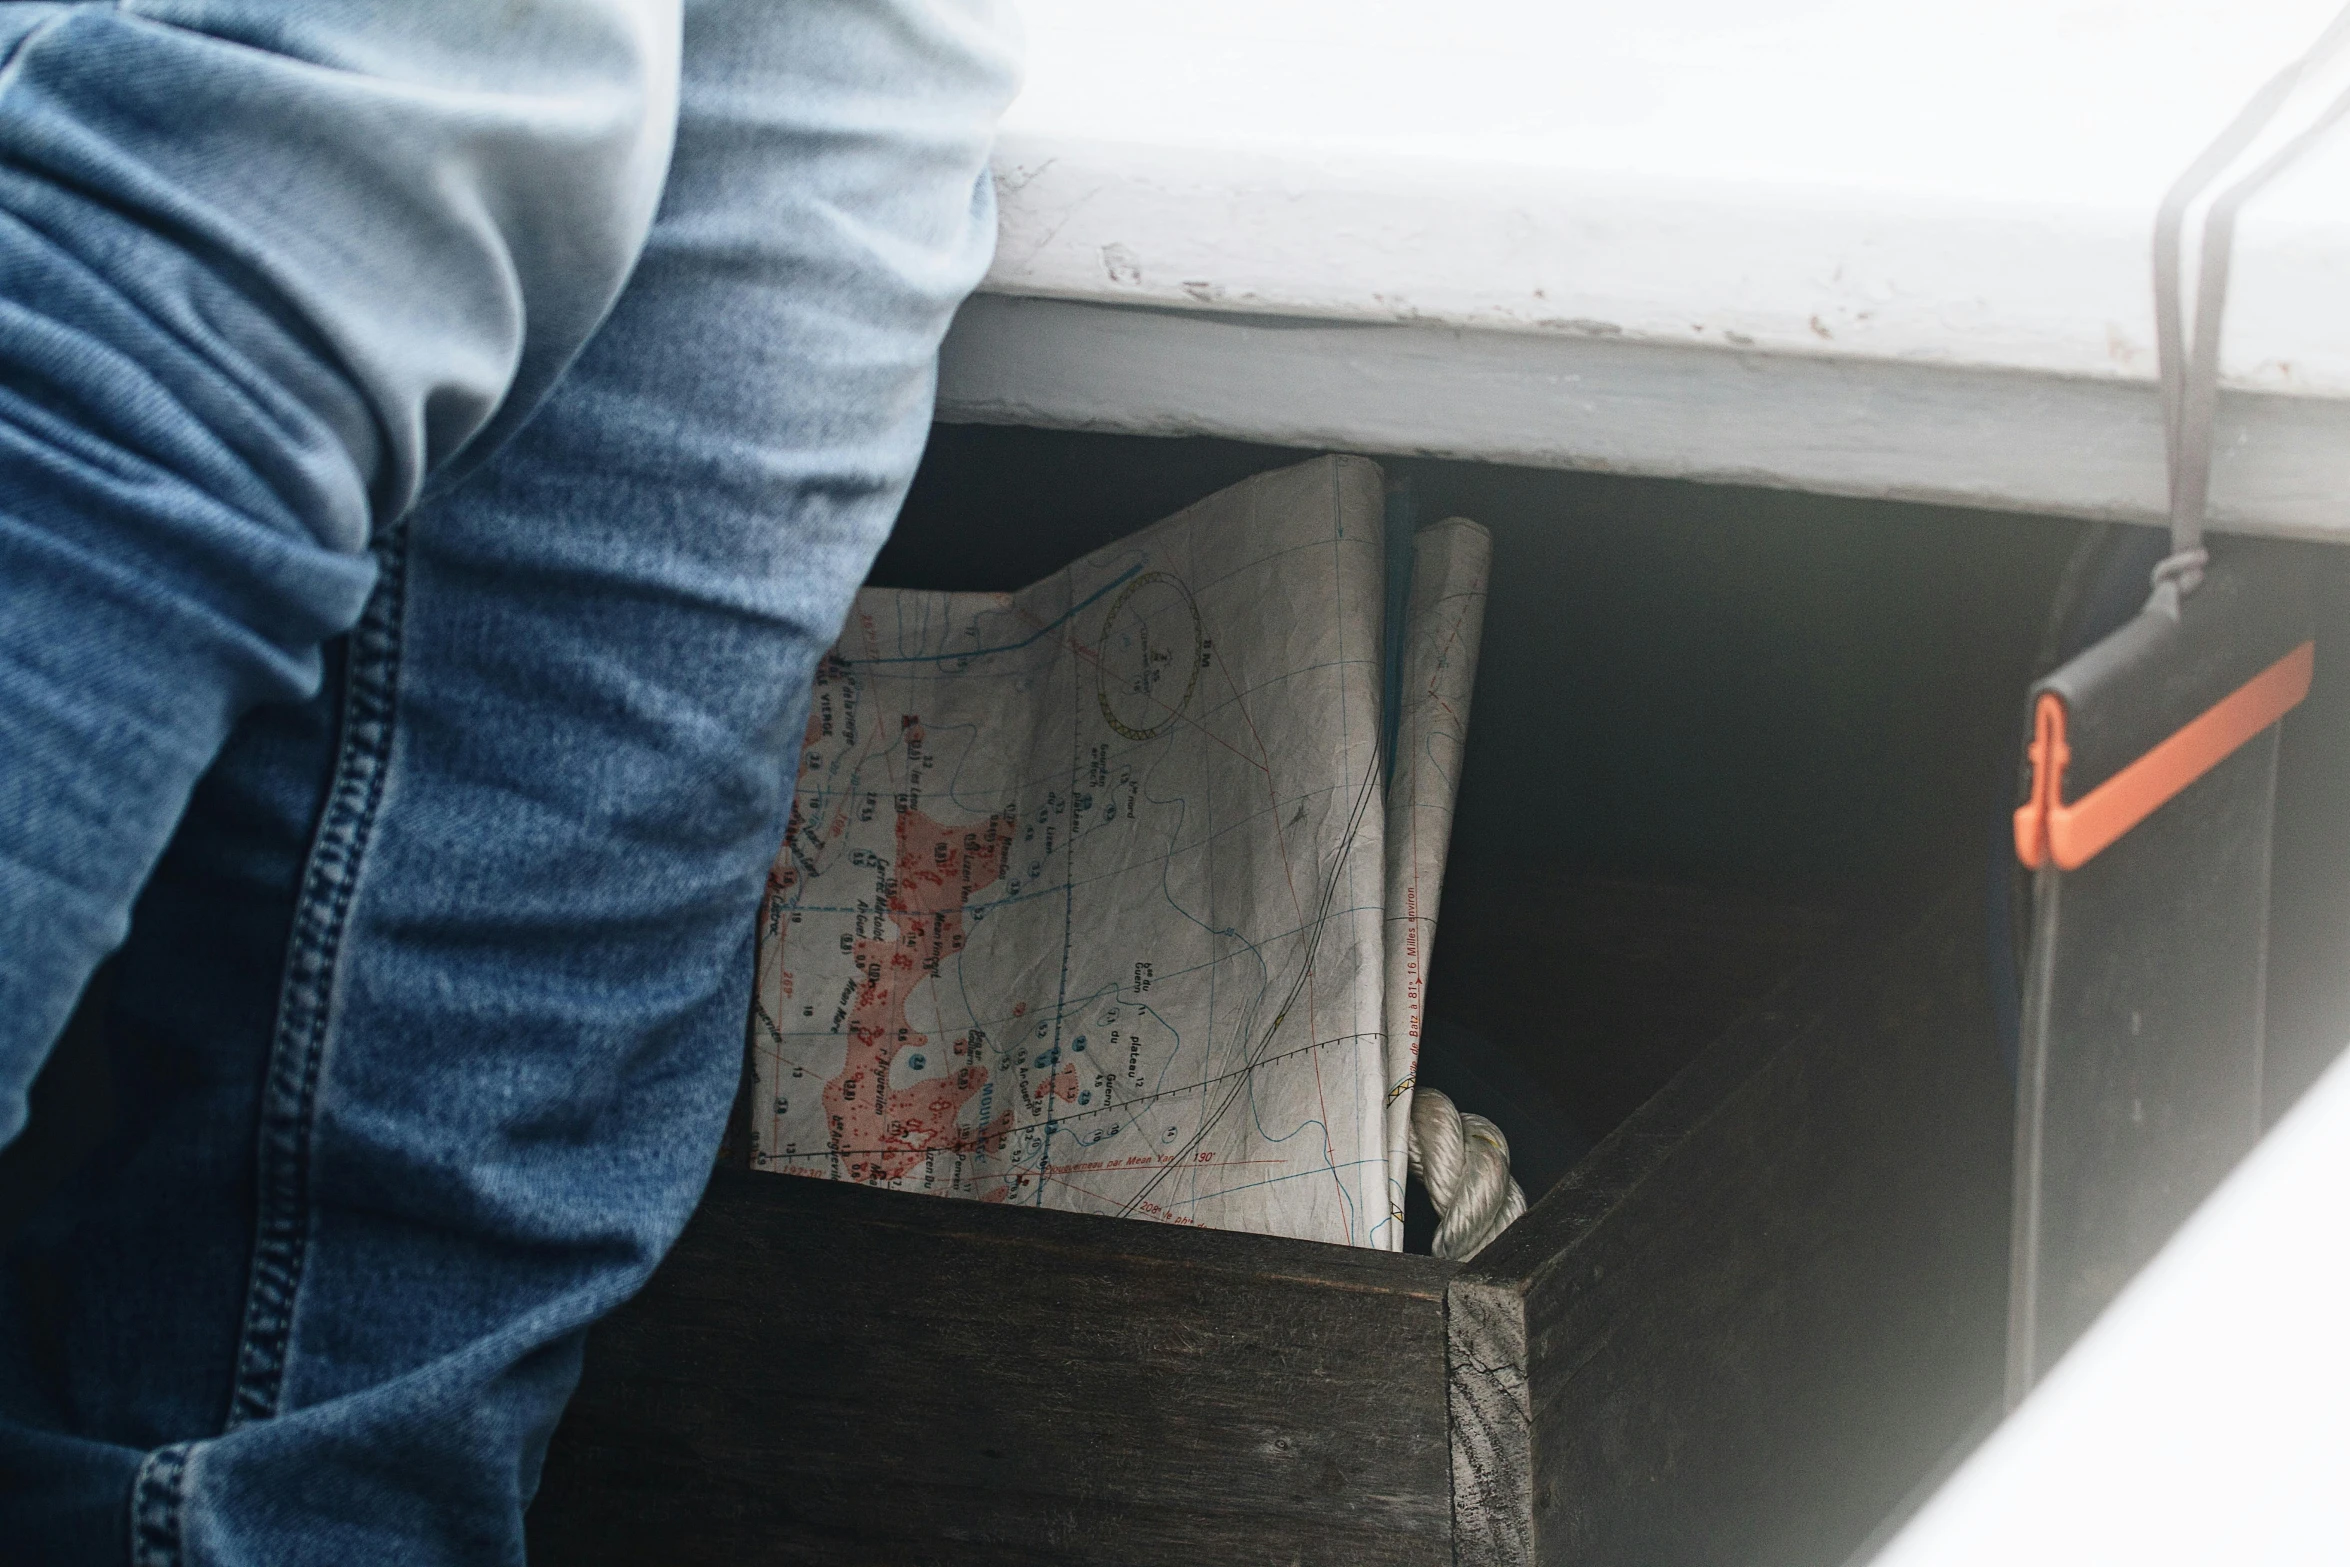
(2190, 371)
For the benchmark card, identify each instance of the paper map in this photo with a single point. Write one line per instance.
(1088, 900)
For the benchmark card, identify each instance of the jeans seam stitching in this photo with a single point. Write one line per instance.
(281, 1234)
(157, 1494)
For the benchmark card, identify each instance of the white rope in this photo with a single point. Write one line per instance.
(1464, 1162)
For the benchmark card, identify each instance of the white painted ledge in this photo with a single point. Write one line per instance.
(2079, 446)
(1834, 244)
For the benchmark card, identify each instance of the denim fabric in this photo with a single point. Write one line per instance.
(263, 268)
(430, 1010)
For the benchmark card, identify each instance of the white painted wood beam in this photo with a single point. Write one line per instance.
(2080, 446)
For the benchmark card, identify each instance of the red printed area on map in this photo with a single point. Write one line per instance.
(883, 1129)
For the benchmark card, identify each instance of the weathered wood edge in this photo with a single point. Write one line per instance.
(1095, 1235)
(679, 1450)
(1488, 1375)
(1491, 1415)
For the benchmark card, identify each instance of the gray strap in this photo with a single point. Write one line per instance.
(2190, 373)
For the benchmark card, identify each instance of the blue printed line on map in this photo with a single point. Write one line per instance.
(1030, 640)
(1257, 1117)
(1270, 1180)
(1053, 889)
(969, 734)
(1338, 1180)
(1255, 1002)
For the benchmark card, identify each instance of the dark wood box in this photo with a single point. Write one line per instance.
(1739, 1331)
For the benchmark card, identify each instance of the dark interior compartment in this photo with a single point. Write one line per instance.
(1710, 725)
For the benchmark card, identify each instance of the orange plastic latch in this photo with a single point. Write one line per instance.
(2047, 829)
(2049, 754)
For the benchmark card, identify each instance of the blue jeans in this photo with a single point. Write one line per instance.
(414, 551)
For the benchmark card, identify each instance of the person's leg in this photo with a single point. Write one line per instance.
(513, 998)
(264, 265)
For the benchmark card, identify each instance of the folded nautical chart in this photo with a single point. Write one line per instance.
(1100, 896)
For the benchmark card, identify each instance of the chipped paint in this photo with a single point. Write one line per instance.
(1800, 177)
